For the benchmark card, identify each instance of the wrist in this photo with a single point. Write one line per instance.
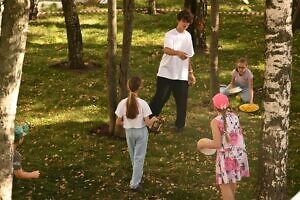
(191, 71)
(176, 53)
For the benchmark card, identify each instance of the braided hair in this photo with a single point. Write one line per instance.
(223, 113)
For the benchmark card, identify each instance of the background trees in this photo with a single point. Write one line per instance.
(128, 9)
(296, 14)
(1, 10)
(111, 69)
(128, 6)
(152, 7)
(75, 49)
(12, 50)
(197, 28)
(213, 50)
(33, 9)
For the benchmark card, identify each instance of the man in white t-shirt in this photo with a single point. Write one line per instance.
(175, 71)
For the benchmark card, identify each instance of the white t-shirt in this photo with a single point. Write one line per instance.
(138, 122)
(172, 67)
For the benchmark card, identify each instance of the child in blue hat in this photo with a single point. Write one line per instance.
(20, 132)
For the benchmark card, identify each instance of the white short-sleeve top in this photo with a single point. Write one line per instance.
(138, 122)
(172, 67)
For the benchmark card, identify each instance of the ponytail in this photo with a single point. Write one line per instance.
(132, 109)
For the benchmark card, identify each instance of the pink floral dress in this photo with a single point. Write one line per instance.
(231, 161)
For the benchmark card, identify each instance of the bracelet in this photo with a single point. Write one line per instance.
(191, 71)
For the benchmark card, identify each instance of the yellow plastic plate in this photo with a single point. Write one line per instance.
(249, 107)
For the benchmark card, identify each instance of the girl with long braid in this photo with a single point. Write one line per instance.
(133, 114)
(231, 161)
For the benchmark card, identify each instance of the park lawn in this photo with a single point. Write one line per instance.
(64, 107)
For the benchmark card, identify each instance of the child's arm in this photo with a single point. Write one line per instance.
(191, 76)
(231, 84)
(20, 173)
(119, 121)
(216, 142)
(251, 90)
(149, 122)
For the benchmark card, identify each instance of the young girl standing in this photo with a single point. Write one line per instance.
(133, 113)
(231, 161)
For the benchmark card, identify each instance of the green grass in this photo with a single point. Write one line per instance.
(64, 106)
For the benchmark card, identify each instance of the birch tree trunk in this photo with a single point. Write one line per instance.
(111, 70)
(277, 86)
(214, 59)
(12, 51)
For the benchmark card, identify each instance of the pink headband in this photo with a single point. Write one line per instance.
(220, 101)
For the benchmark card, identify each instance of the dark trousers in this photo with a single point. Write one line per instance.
(179, 90)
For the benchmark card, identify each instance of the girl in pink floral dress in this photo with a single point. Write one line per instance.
(231, 161)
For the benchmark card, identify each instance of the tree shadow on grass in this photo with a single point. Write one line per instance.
(102, 130)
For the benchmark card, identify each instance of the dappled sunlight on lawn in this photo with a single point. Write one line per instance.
(64, 106)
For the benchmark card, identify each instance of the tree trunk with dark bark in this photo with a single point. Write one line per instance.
(214, 59)
(126, 46)
(33, 10)
(12, 50)
(277, 90)
(197, 28)
(1, 11)
(75, 49)
(152, 7)
(111, 69)
(296, 14)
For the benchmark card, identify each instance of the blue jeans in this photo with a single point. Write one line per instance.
(137, 140)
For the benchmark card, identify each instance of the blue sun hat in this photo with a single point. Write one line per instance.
(21, 131)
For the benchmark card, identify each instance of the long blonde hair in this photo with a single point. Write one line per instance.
(132, 109)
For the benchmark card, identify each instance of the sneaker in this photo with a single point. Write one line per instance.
(137, 189)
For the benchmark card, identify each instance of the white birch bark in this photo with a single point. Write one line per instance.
(277, 86)
(12, 50)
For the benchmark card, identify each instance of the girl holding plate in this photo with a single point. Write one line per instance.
(241, 81)
(228, 140)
